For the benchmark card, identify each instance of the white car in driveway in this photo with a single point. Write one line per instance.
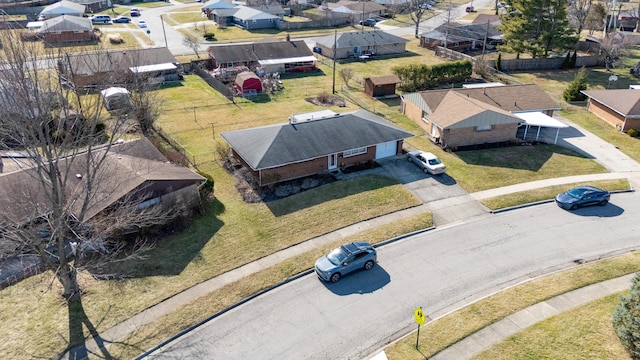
(428, 162)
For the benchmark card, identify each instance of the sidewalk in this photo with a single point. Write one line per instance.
(514, 323)
(149, 315)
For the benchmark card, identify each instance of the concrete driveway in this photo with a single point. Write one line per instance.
(440, 194)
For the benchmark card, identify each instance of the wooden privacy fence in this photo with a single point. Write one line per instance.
(521, 64)
(212, 81)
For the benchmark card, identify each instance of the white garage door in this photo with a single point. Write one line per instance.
(385, 149)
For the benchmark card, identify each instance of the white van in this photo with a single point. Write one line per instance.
(104, 19)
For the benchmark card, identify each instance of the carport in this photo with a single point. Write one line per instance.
(536, 121)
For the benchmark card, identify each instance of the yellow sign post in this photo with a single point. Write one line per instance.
(419, 316)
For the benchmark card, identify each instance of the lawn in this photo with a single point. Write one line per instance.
(582, 333)
(555, 83)
(437, 335)
(232, 233)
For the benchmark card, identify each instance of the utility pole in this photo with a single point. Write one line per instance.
(484, 43)
(164, 32)
(335, 40)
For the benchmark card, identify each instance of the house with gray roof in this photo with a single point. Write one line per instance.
(619, 107)
(461, 36)
(314, 143)
(67, 29)
(252, 18)
(484, 115)
(60, 8)
(118, 67)
(359, 43)
(269, 57)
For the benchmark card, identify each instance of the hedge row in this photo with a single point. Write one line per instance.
(417, 77)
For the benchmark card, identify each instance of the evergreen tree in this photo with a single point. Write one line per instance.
(626, 319)
(567, 61)
(572, 92)
(499, 62)
(574, 59)
(537, 27)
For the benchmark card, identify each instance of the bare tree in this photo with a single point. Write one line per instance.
(65, 195)
(612, 49)
(346, 74)
(417, 11)
(578, 12)
(191, 41)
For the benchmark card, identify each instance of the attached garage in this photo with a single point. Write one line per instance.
(386, 149)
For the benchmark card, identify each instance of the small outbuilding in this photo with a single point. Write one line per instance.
(116, 98)
(248, 83)
(381, 86)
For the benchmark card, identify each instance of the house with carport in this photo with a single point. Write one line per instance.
(289, 56)
(474, 116)
(314, 143)
(618, 107)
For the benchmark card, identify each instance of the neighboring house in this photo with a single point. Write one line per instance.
(474, 116)
(210, 8)
(358, 43)
(248, 83)
(394, 2)
(251, 19)
(108, 68)
(67, 29)
(460, 37)
(359, 10)
(314, 143)
(269, 57)
(619, 107)
(63, 7)
(487, 18)
(94, 5)
(134, 169)
(381, 86)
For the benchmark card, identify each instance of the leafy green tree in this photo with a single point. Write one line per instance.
(572, 92)
(537, 27)
(626, 319)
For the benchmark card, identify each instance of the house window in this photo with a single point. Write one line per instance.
(354, 152)
(483, 128)
(230, 64)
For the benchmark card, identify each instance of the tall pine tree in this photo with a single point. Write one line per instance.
(537, 27)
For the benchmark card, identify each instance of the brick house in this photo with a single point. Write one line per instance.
(473, 116)
(314, 143)
(619, 107)
(359, 43)
(67, 29)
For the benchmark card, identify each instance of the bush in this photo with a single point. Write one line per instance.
(572, 92)
(209, 36)
(632, 132)
(626, 319)
(499, 62)
(207, 188)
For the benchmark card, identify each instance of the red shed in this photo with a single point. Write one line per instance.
(382, 86)
(248, 83)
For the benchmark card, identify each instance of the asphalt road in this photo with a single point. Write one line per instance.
(308, 319)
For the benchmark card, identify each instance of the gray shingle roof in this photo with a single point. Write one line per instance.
(361, 38)
(277, 145)
(108, 61)
(259, 51)
(66, 23)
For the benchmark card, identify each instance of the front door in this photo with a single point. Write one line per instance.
(333, 161)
